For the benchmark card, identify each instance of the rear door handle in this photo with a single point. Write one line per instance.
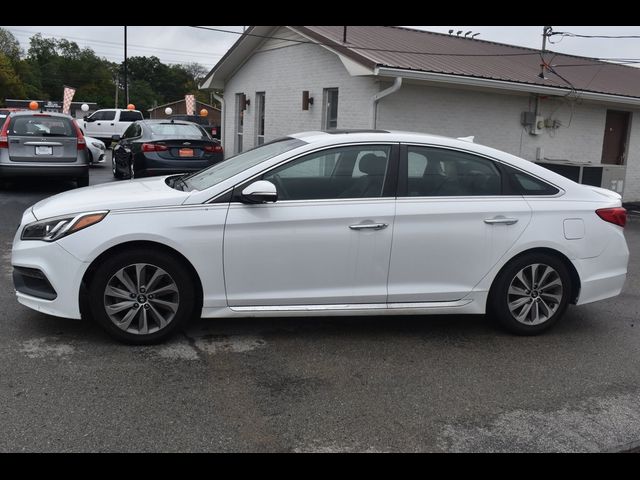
(500, 220)
(369, 226)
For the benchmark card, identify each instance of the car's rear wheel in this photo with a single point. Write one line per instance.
(132, 172)
(531, 293)
(114, 169)
(142, 296)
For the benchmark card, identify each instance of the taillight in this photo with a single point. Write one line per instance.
(4, 141)
(213, 148)
(617, 215)
(154, 147)
(82, 143)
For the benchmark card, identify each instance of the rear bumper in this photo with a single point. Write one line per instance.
(603, 276)
(151, 164)
(58, 170)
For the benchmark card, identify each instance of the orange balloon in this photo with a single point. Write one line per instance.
(33, 105)
(131, 106)
(204, 112)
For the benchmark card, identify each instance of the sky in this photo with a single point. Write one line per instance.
(175, 44)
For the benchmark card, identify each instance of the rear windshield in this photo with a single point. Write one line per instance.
(41, 126)
(176, 130)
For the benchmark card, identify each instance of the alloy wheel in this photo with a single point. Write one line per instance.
(535, 294)
(141, 299)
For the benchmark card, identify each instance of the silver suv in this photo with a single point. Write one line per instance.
(43, 144)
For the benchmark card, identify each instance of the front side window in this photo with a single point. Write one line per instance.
(344, 172)
(232, 166)
(104, 115)
(130, 132)
(435, 172)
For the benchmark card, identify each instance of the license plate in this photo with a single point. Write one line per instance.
(186, 152)
(44, 150)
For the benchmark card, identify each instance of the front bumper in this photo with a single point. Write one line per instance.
(63, 271)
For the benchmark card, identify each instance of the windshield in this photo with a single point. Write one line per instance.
(234, 165)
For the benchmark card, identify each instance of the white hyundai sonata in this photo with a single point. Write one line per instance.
(341, 223)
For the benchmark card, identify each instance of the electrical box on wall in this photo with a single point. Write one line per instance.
(538, 126)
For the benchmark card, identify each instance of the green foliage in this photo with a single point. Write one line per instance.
(50, 64)
(10, 85)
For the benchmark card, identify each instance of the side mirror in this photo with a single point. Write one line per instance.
(115, 138)
(260, 192)
(87, 118)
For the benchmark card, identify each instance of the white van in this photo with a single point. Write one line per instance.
(104, 124)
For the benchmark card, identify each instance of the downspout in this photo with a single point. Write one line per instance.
(222, 118)
(380, 95)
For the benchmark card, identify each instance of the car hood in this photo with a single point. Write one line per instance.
(148, 192)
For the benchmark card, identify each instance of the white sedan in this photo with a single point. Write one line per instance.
(357, 223)
(96, 149)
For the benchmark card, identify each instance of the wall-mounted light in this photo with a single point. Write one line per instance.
(306, 100)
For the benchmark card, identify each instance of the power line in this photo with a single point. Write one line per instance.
(578, 35)
(371, 49)
(109, 44)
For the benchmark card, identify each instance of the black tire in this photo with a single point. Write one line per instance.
(90, 156)
(177, 274)
(547, 305)
(83, 181)
(132, 171)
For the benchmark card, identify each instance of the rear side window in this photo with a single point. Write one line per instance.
(520, 183)
(435, 172)
(130, 116)
(41, 126)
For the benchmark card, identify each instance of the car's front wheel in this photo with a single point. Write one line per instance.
(141, 296)
(531, 293)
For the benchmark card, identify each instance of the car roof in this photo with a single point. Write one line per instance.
(167, 121)
(26, 113)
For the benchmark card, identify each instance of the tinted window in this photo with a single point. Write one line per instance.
(521, 183)
(104, 115)
(433, 172)
(175, 130)
(42, 126)
(239, 163)
(346, 172)
(130, 131)
(130, 116)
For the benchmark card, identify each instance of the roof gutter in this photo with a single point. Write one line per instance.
(500, 84)
(380, 95)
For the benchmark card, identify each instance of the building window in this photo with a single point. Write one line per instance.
(260, 98)
(330, 100)
(240, 106)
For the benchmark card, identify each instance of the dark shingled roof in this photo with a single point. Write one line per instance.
(449, 54)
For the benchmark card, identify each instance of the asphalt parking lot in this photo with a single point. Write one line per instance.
(360, 384)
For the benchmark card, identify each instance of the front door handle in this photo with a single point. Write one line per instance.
(369, 226)
(500, 220)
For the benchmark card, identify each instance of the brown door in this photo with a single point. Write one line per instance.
(616, 132)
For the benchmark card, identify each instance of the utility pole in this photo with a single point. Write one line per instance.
(126, 85)
(546, 31)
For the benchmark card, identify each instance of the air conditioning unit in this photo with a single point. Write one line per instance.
(606, 176)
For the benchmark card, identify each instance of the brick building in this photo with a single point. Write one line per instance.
(575, 115)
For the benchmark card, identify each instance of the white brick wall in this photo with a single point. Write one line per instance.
(493, 118)
(283, 74)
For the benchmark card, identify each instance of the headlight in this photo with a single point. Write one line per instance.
(99, 145)
(54, 228)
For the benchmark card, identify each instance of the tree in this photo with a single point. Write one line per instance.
(10, 84)
(9, 46)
